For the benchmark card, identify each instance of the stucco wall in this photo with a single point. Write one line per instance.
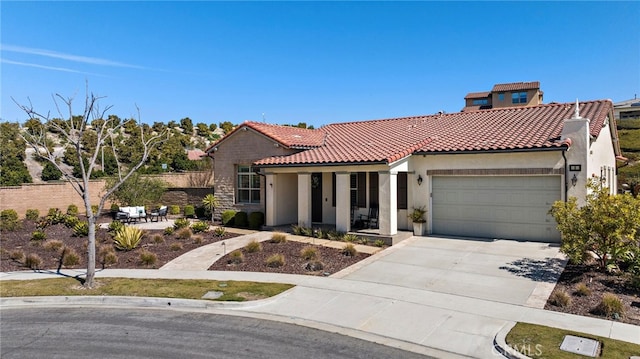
(602, 156)
(240, 148)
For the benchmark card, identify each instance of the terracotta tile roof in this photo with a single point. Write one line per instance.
(287, 136)
(195, 155)
(386, 141)
(477, 95)
(516, 86)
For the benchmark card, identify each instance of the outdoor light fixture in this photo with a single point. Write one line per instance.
(419, 180)
(574, 180)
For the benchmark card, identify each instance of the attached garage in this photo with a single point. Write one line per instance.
(508, 207)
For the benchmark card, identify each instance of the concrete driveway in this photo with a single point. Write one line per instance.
(522, 273)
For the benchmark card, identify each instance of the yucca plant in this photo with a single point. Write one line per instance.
(220, 231)
(210, 202)
(127, 238)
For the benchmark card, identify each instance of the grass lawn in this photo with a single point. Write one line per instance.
(167, 288)
(537, 341)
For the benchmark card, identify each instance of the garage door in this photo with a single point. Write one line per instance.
(496, 207)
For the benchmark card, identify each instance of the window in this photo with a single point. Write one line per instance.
(480, 102)
(248, 185)
(519, 97)
(501, 97)
(358, 189)
(402, 190)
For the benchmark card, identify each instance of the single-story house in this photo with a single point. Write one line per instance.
(488, 173)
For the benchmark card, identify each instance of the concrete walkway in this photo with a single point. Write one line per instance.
(427, 295)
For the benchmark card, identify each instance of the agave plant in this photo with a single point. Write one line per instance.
(127, 238)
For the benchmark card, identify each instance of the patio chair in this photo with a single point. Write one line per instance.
(157, 214)
(370, 220)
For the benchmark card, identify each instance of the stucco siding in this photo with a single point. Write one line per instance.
(602, 161)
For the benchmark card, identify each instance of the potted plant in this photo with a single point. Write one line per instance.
(417, 217)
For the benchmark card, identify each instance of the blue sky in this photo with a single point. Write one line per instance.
(313, 62)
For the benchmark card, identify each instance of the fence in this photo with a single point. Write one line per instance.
(184, 188)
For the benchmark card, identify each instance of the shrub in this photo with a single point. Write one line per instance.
(169, 231)
(158, 239)
(32, 214)
(115, 226)
(33, 261)
(309, 253)
(69, 257)
(350, 238)
(220, 231)
(314, 266)
(200, 226)
(253, 247)
(610, 306)
(16, 255)
(147, 258)
(256, 220)
(72, 221)
(560, 299)
(307, 231)
(9, 220)
(197, 239)
(335, 235)
(236, 257)
(349, 250)
(38, 235)
(378, 243)
(81, 229)
(115, 207)
(94, 209)
(189, 211)
(176, 246)
(319, 233)
(296, 229)
(241, 219)
(583, 290)
(184, 233)
(107, 256)
(278, 237)
(200, 212)
(53, 245)
(363, 241)
(174, 209)
(181, 223)
(72, 210)
(127, 238)
(276, 260)
(228, 217)
(55, 216)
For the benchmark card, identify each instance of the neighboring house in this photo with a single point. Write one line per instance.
(627, 109)
(195, 155)
(491, 173)
(516, 94)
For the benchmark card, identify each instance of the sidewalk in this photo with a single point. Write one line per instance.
(447, 325)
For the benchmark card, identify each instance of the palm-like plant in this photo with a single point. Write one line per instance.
(210, 202)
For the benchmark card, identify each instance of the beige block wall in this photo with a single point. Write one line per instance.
(43, 196)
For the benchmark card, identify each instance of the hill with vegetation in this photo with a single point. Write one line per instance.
(629, 174)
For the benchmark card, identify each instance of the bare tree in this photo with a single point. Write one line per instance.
(73, 130)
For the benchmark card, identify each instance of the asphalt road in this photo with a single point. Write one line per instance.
(140, 333)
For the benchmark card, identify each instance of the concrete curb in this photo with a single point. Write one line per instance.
(123, 301)
(500, 343)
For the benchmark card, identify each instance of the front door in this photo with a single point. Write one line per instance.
(316, 197)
